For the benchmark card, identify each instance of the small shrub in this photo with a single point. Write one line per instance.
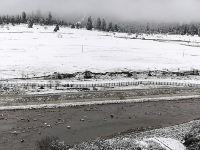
(59, 76)
(87, 75)
(120, 95)
(56, 28)
(192, 138)
(72, 26)
(41, 87)
(51, 143)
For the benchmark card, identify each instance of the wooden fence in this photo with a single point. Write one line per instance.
(98, 84)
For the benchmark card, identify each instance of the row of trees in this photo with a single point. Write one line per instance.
(100, 24)
(37, 19)
(164, 28)
(103, 25)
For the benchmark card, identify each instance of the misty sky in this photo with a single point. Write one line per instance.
(126, 10)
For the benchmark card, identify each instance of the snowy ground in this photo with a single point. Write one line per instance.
(39, 51)
(169, 138)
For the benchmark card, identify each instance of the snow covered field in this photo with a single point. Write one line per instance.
(39, 51)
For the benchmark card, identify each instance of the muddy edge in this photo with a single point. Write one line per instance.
(90, 122)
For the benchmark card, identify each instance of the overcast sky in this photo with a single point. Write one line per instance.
(131, 10)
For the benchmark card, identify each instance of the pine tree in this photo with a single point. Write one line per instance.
(98, 24)
(18, 19)
(185, 30)
(1, 20)
(193, 30)
(72, 26)
(110, 27)
(49, 20)
(103, 25)
(24, 20)
(148, 28)
(116, 28)
(56, 28)
(78, 25)
(12, 21)
(30, 23)
(199, 31)
(89, 25)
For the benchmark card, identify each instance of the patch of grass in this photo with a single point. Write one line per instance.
(120, 95)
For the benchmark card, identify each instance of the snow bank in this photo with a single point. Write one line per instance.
(168, 143)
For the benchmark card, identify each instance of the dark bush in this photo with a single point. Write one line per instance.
(87, 74)
(51, 143)
(56, 28)
(192, 138)
(41, 87)
(72, 26)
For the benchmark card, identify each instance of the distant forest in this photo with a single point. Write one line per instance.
(105, 25)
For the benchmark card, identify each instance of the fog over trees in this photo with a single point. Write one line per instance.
(176, 11)
(101, 24)
(131, 16)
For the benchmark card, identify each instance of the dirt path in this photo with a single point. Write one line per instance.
(14, 100)
(90, 122)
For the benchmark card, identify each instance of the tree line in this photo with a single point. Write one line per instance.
(103, 25)
(153, 28)
(31, 19)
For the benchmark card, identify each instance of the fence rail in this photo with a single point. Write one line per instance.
(99, 84)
